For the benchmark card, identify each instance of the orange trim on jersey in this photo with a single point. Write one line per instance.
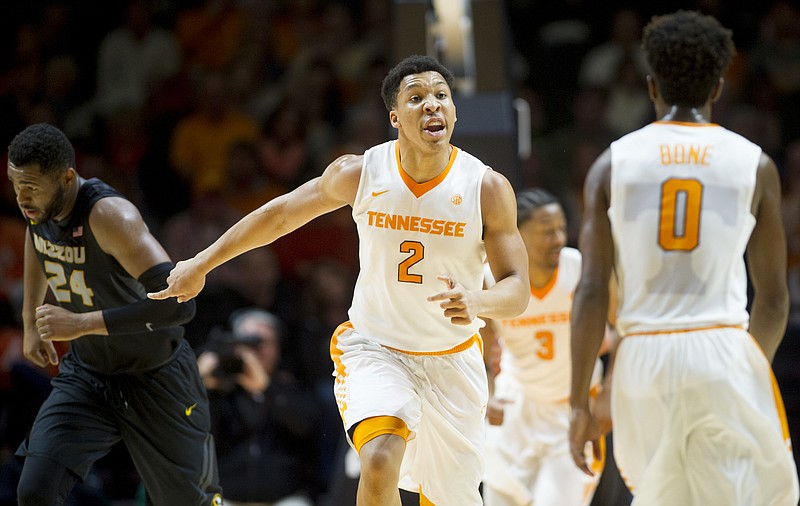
(776, 392)
(336, 356)
(424, 501)
(686, 123)
(420, 189)
(336, 353)
(455, 349)
(370, 428)
(681, 331)
(541, 292)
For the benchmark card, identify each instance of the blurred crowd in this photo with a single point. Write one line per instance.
(199, 111)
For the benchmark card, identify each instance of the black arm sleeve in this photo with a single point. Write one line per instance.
(146, 314)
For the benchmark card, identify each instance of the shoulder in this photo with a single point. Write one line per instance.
(341, 178)
(571, 255)
(346, 167)
(348, 162)
(495, 184)
(768, 182)
(469, 158)
(570, 261)
(117, 208)
(570, 264)
(766, 165)
(598, 179)
(724, 132)
(498, 202)
(111, 216)
(496, 190)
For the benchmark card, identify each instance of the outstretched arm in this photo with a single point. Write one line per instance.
(335, 188)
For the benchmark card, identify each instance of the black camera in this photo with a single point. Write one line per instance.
(224, 343)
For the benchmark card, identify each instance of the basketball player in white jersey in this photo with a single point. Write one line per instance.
(527, 451)
(410, 379)
(675, 208)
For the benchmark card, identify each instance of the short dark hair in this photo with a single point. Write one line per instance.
(43, 144)
(528, 201)
(687, 52)
(414, 64)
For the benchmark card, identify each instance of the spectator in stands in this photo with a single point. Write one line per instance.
(260, 417)
(202, 140)
(134, 60)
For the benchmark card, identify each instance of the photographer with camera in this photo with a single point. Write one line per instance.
(260, 417)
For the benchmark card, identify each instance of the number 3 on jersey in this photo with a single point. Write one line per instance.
(417, 251)
(545, 351)
(679, 216)
(57, 279)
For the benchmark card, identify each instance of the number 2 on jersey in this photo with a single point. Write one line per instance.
(679, 216)
(417, 251)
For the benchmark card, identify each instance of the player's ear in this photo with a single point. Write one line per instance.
(393, 119)
(652, 88)
(69, 176)
(717, 91)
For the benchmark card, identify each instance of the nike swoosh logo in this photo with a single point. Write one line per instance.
(149, 326)
(190, 408)
(375, 194)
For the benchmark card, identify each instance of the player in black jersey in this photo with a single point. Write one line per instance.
(128, 375)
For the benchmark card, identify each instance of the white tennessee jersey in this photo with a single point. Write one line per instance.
(536, 345)
(410, 233)
(680, 214)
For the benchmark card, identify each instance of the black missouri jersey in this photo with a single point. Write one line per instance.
(84, 278)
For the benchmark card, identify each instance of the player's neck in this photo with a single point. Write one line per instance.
(69, 202)
(539, 276)
(686, 114)
(422, 167)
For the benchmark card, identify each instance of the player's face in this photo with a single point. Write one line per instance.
(425, 113)
(545, 234)
(40, 197)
